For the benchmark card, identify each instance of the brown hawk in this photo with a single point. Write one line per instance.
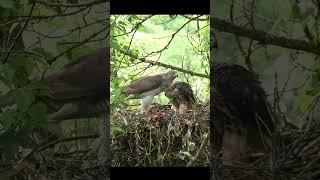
(79, 90)
(181, 96)
(147, 87)
(242, 121)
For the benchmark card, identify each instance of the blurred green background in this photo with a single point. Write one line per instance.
(174, 40)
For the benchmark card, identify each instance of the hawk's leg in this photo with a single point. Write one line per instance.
(145, 104)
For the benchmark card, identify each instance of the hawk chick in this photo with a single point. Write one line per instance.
(147, 87)
(242, 120)
(181, 96)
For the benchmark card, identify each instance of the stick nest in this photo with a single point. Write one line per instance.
(296, 156)
(161, 138)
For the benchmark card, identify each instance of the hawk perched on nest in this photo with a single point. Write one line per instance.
(79, 90)
(147, 87)
(241, 122)
(181, 96)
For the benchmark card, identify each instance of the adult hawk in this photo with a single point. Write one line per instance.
(241, 121)
(147, 87)
(79, 90)
(181, 96)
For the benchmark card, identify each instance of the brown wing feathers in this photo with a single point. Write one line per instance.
(143, 84)
(84, 77)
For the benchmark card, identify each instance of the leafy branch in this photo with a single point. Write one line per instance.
(152, 62)
(264, 37)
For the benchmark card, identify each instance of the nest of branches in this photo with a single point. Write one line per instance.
(44, 163)
(161, 138)
(296, 156)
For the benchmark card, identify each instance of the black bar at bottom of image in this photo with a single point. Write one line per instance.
(165, 173)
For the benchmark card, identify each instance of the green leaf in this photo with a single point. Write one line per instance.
(7, 119)
(122, 23)
(186, 153)
(6, 100)
(117, 129)
(7, 75)
(115, 45)
(37, 112)
(23, 98)
(9, 142)
(21, 63)
(122, 28)
(141, 27)
(7, 4)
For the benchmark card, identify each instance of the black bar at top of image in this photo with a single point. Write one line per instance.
(160, 6)
(165, 173)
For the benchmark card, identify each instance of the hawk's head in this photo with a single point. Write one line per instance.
(172, 91)
(170, 75)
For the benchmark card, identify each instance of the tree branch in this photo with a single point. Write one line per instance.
(70, 5)
(80, 44)
(173, 35)
(163, 65)
(46, 146)
(264, 37)
(18, 19)
(198, 19)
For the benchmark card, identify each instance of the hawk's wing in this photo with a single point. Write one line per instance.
(143, 84)
(84, 77)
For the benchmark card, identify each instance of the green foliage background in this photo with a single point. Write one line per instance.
(143, 34)
(294, 72)
(49, 31)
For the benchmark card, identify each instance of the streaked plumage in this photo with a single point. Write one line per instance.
(241, 120)
(181, 96)
(147, 87)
